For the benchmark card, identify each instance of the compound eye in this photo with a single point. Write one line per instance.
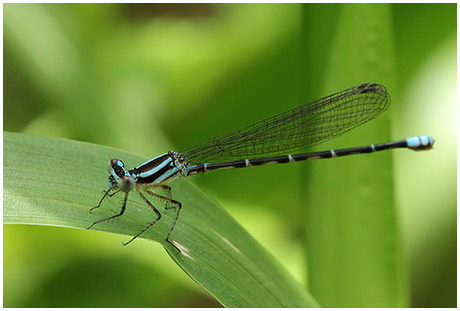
(116, 167)
(126, 183)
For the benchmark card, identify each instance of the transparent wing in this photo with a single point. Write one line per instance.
(301, 127)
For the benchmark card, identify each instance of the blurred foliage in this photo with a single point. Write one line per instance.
(154, 77)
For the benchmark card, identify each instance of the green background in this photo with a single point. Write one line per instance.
(151, 78)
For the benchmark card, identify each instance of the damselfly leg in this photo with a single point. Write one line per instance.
(106, 193)
(173, 204)
(150, 189)
(123, 207)
(155, 210)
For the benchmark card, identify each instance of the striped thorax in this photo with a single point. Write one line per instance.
(161, 169)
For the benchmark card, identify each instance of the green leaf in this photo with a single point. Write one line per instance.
(352, 228)
(49, 181)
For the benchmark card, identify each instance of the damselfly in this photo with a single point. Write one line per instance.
(259, 144)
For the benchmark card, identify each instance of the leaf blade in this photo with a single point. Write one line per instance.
(51, 181)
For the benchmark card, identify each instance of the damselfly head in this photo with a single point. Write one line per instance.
(119, 177)
(126, 183)
(115, 165)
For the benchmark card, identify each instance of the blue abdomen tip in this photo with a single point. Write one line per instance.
(422, 142)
